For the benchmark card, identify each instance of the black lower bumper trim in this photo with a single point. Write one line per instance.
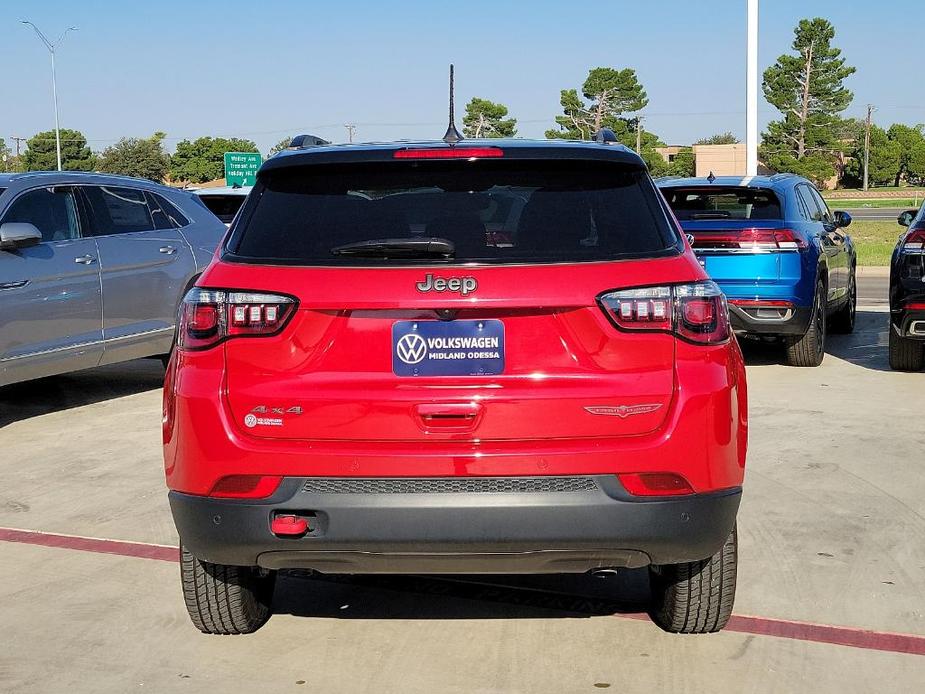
(797, 324)
(533, 532)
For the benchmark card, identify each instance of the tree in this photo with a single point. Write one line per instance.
(807, 88)
(726, 138)
(140, 157)
(485, 118)
(911, 141)
(203, 159)
(40, 154)
(6, 157)
(611, 93)
(279, 146)
(884, 161)
(683, 164)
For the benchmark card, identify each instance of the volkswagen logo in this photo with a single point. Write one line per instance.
(411, 348)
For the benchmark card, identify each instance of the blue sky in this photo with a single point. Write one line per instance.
(272, 68)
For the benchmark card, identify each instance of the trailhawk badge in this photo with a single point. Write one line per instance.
(623, 411)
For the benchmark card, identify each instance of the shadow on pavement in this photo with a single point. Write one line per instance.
(460, 597)
(56, 393)
(867, 346)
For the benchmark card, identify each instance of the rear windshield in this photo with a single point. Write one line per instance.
(491, 212)
(225, 207)
(723, 203)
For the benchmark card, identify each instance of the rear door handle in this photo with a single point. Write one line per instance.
(85, 259)
(167, 250)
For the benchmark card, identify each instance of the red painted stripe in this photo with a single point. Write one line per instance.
(90, 544)
(763, 626)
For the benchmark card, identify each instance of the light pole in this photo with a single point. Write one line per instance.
(54, 83)
(751, 91)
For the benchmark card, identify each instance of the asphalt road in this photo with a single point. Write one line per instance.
(872, 213)
(831, 594)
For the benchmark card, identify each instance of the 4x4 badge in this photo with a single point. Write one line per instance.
(623, 411)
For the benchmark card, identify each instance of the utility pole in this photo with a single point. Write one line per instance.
(52, 47)
(870, 110)
(18, 141)
(751, 90)
(351, 128)
(639, 134)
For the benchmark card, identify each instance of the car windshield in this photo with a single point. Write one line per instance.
(723, 203)
(488, 211)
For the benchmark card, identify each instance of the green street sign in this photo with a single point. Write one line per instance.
(241, 168)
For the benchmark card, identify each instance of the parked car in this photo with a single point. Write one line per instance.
(224, 202)
(783, 259)
(367, 381)
(93, 268)
(907, 295)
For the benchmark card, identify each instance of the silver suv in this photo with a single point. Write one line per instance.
(93, 268)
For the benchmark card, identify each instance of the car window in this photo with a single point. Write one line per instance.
(52, 211)
(225, 207)
(723, 203)
(815, 213)
(117, 210)
(821, 204)
(164, 213)
(491, 211)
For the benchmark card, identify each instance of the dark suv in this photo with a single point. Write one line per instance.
(907, 295)
(490, 357)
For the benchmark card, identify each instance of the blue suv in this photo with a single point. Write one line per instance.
(782, 258)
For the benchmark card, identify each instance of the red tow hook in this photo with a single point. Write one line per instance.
(288, 526)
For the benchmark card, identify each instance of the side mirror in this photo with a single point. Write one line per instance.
(842, 219)
(905, 219)
(18, 235)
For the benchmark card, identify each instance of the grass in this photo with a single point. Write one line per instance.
(853, 203)
(874, 240)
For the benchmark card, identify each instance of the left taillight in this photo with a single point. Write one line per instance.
(696, 312)
(209, 316)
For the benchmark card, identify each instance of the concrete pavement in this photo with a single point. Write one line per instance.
(830, 533)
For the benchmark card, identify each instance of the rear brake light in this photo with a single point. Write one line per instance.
(756, 240)
(245, 486)
(450, 153)
(208, 316)
(655, 484)
(915, 242)
(915, 306)
(696, 312)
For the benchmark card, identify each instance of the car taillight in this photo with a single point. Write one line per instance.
(914, 244)
(450, 153)
(696, 312)
(208, 316)
(756, 240)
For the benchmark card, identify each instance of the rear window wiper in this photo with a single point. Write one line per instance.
(428, 247)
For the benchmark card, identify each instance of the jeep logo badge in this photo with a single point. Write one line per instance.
(463, 285)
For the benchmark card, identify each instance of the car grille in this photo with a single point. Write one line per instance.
(449, 485)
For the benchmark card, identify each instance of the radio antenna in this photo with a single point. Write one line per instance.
(452, 134)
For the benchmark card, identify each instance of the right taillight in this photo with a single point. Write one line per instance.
(209, 316)
(914, 243)
(695, 312)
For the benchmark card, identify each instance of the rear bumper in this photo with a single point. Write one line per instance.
(395, 525)
(796, 322)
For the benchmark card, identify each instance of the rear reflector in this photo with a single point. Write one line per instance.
(760, 303)
(450, 153)
(916, 306)
(756, 240)
(655, 484)
(697, 312)
(245, 486)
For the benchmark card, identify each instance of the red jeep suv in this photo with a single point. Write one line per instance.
(498, 356)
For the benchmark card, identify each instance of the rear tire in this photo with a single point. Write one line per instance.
(906, 354)
(224, 599)
(809, 349)
(696, 597)
(843, 321)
